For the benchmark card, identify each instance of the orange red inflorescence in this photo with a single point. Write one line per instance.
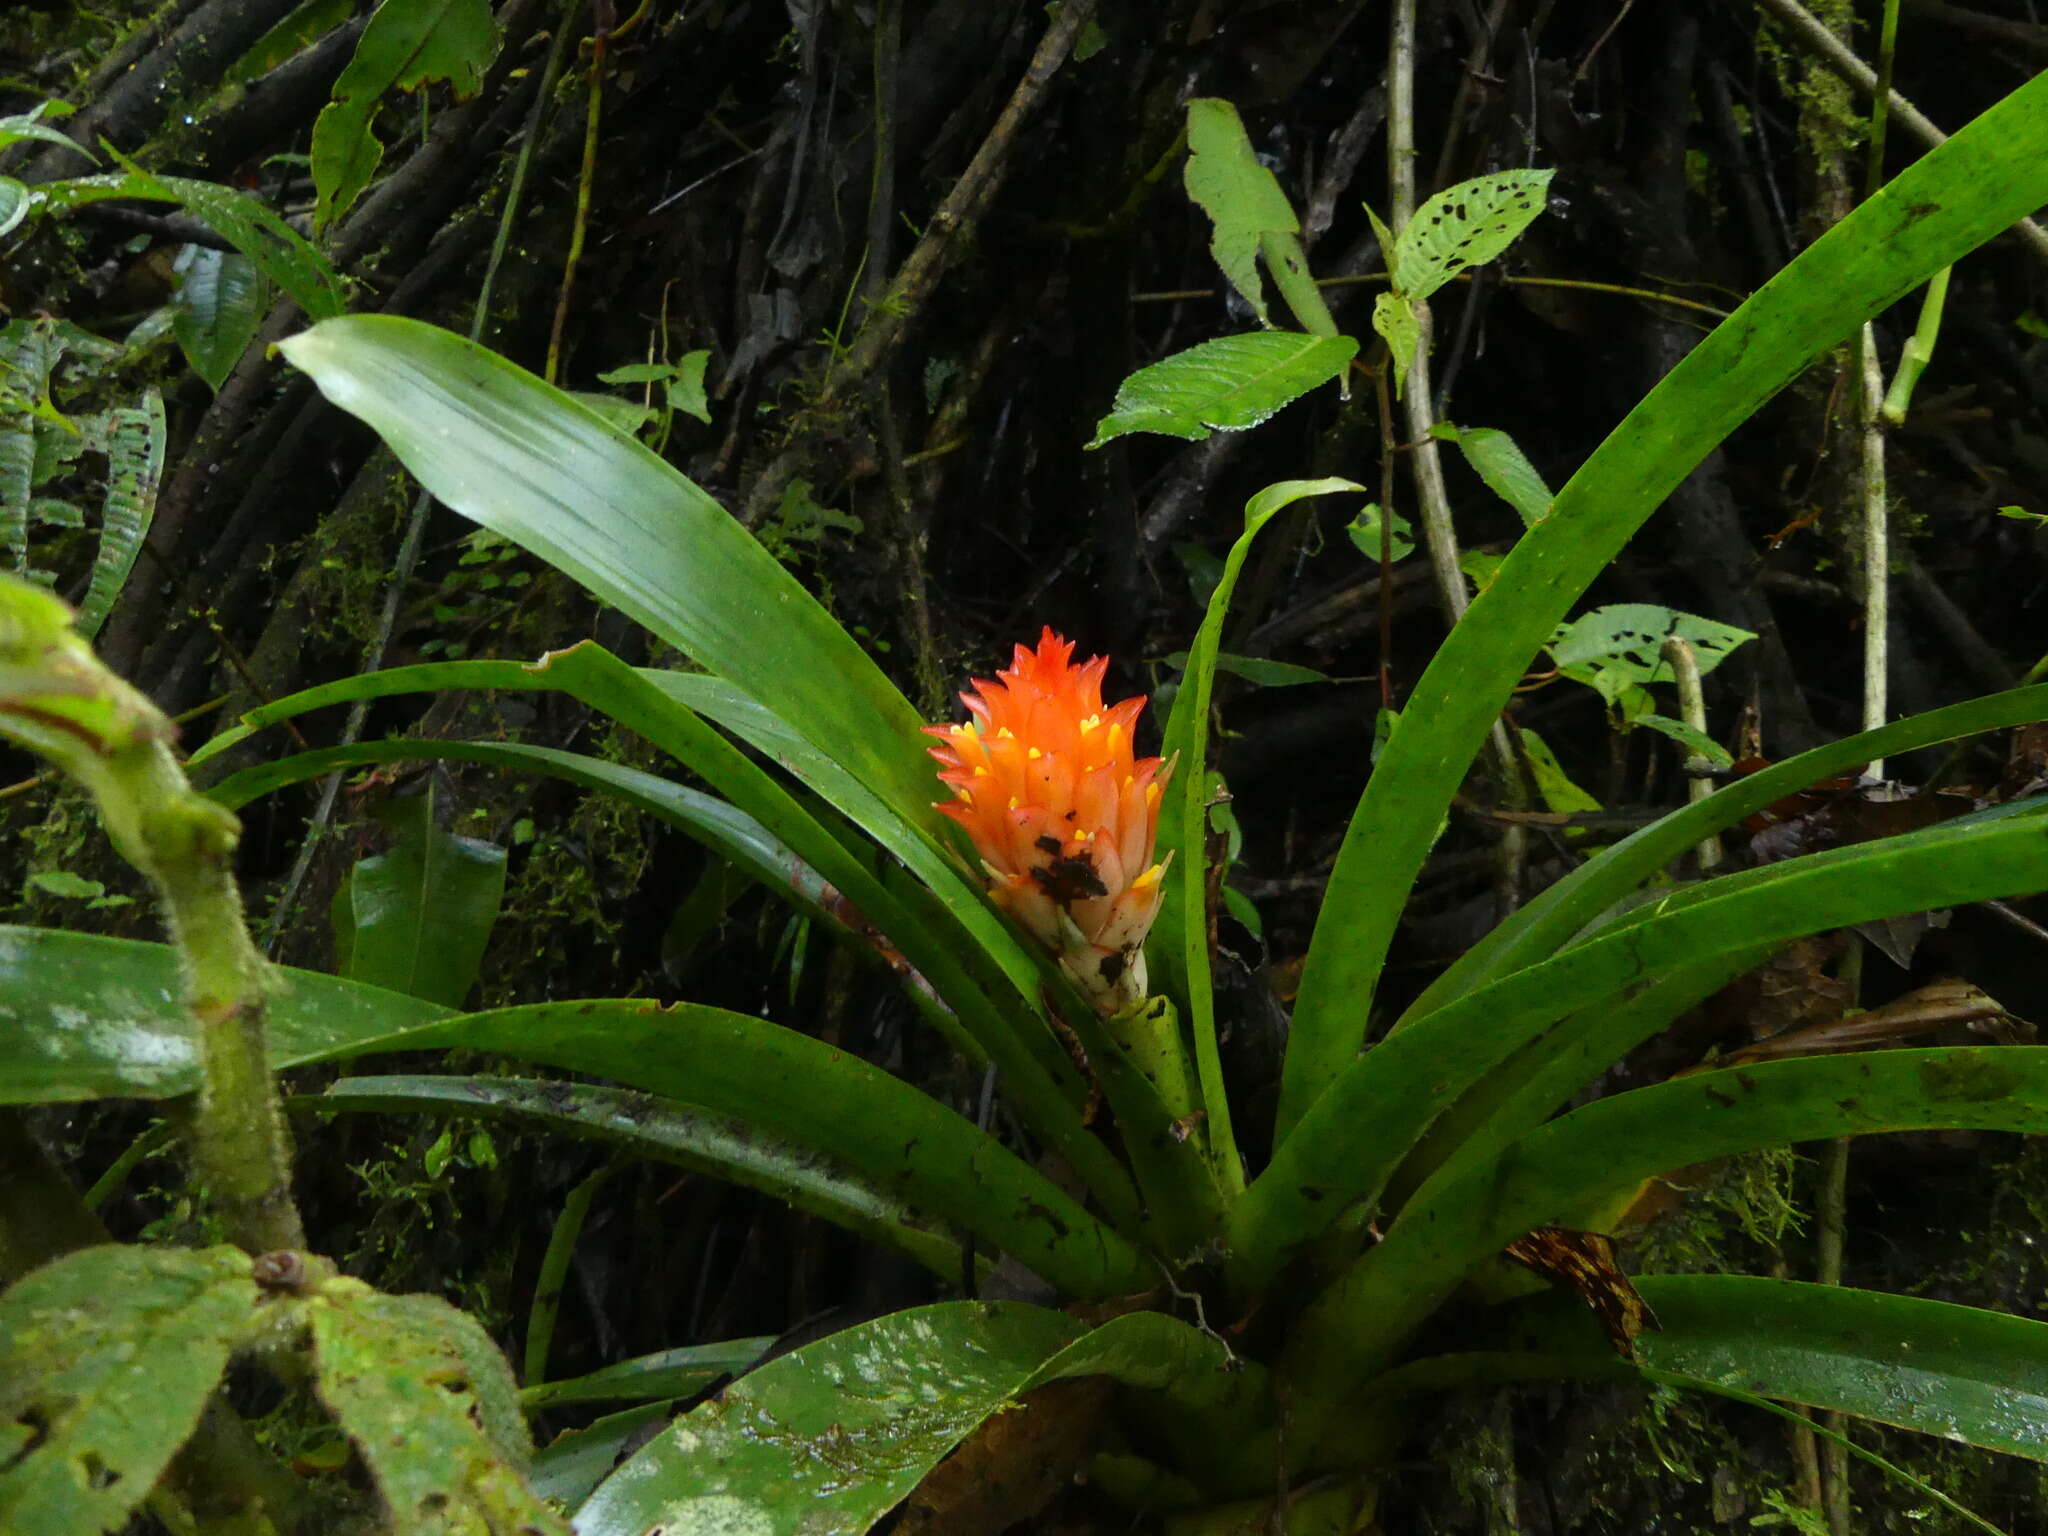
(1062, 812)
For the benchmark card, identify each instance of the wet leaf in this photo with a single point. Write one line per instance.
(828, 1439)
(1465, 226)
(218, 309)
(1225, 385)
(430, 1404)
(107, 1358)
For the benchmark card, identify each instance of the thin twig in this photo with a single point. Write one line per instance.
(416, 524)
(1180, 295)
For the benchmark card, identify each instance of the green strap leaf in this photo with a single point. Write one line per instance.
(829, 1438)
(1382, 1103)
(1180, 934)
(1359, 1324)
(98, 1018)
(1961, 1373)
(992, 980)
(526, 461)
(1225, 385)
(667, 1373)
(1045, 1088)
(694, 1138)
(1953, 199)
(280, 252)
(107, 1358)
(1551, 919)
(788, 1085)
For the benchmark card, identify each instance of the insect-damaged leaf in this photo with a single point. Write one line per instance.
(107, 1357)
(429, 1402)
(1465, 226)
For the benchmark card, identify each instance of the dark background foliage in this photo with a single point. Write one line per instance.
(920, 461)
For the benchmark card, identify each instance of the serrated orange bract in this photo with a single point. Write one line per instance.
(1062, 812)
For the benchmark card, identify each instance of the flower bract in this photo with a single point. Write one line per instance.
(1062, 812)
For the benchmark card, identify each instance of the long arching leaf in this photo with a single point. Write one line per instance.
(1383, 1102)
(528, 462)
(683, 1134)
(1960, 195)
(1357, 1327)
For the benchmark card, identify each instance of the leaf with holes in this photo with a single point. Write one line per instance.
(430, 1404)
(107, 1357)
(1465, 226)
(1225, 385)
(1620, 646)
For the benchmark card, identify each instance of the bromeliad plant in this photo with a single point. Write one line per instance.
(1396, 1171)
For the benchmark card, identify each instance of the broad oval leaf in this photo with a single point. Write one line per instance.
(405, 46)
(217, 311)
(1465, 226)
(1225, 385)
(107, 1358)
(1498, 460)
(418, 917)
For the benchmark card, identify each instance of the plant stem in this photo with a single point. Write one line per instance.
(1813, 35)
(592, 113)
(59, 700)
(1692, 709)
(1876, 540)
(554, 1273)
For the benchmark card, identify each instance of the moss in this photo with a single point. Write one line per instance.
(568, 892)
(1736, 1218)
